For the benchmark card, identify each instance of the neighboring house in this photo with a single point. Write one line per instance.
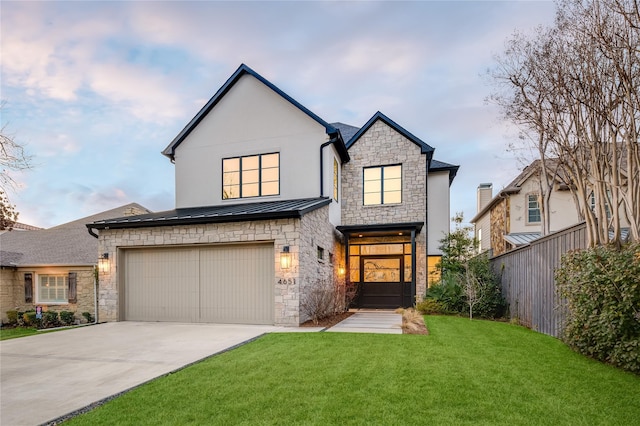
(513, 217)
(17, 226)
(271, 202)
(53, 268)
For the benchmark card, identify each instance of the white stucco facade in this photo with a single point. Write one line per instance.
(251, 119)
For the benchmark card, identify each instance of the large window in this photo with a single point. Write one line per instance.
(383, 185)
(533, 208)
(251, 176)
(53, 288)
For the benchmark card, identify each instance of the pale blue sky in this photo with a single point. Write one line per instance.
(96, 90)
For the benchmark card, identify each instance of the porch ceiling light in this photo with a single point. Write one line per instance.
(103, 263)
(285, 258)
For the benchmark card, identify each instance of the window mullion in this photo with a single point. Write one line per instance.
(240, 180)
(382, 185)
(260, 175)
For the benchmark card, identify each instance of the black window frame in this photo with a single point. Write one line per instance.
(260, 170)
(382, 203)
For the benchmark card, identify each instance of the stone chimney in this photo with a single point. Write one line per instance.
(485, 194)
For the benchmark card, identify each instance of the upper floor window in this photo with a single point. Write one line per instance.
(533, 208)
(383, 185)
(592, 203)
(251, 176)
(336, 179)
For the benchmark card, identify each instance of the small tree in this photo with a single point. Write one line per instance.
(467, 281)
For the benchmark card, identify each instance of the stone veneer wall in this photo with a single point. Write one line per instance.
(317, 231)
(12, 291)
(381, 145)
(7, 300)
(282, 232)
(499, 218)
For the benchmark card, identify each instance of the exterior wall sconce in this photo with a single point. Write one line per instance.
(285, 258)
(103, 263)
(341, 271)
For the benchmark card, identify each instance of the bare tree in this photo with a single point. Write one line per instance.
(13, 158)
(574, 90)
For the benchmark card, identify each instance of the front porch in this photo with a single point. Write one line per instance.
(382, 264)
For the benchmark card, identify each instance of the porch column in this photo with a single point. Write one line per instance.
(414, 256)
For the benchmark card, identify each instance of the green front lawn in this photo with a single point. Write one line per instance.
(465, 372)
(12, 333)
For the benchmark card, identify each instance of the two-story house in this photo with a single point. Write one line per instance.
(271, 200)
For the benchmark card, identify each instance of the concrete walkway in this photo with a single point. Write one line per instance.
(381, 322)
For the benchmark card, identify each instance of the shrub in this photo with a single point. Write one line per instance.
(430, 307)
(448, 293)
(88, 316)
(602, 291)
(67, 318)
(324, 299)
(490, 303)
(29, 319)
(50, 319)
(12, 317)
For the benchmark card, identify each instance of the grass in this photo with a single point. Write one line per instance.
(12, 333)
(463, 373)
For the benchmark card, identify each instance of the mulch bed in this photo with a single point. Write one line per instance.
(328, 321)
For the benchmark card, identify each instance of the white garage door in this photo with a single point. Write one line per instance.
(221, 284)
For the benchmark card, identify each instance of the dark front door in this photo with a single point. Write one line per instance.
(381, 282)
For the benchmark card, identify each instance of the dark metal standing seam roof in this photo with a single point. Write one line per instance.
(217, 214)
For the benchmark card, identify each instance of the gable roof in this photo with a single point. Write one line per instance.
(216, 214)
(515, 185)
(424, 147)
(243, 70)
(66, 244)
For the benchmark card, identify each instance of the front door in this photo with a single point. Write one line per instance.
(381, 282)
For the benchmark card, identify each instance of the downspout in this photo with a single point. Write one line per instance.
(95, 295)
(426, 219)
(90, 229)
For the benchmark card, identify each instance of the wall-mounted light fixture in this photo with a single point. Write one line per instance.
(103, 263)
(285, 258)
(341, 271)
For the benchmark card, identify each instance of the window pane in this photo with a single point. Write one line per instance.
(407, 268)
(382, 249)
(231, 165)
(354, 268)
(393, 172)
(250, 163)
(372, 186)
(392, 184)
(381, 270)
(374, 173)
(250, 190)
(392, 197)
(270, 160)
(251, 176)
(374, 198)
(230, 191)
(231, 178)
(270, 175)
(270, 188)
(354, 249)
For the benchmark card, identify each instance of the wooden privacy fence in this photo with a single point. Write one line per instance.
(527, 279)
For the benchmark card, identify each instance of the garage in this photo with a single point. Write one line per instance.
(213, 284)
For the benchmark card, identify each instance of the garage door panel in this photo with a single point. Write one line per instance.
(236, 284)
(226, 284)
(161, 285)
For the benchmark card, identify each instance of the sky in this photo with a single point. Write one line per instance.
(96, 90)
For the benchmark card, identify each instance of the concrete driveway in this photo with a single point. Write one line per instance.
(47, 376)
